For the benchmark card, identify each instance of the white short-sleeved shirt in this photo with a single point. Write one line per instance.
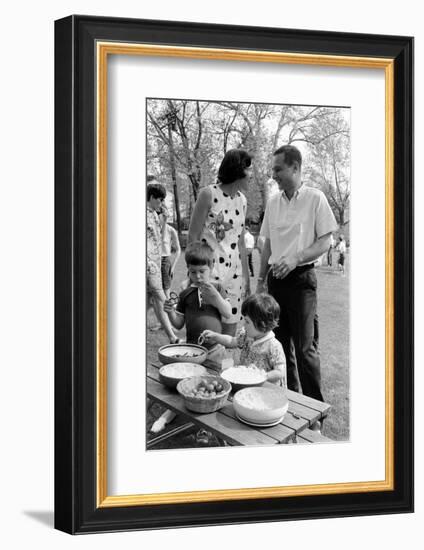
(341, 247)
(293, 225)
(249, 240)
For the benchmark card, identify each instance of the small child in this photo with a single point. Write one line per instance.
(257, 342)
(201, 306)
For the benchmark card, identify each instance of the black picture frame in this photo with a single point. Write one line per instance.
(76, 484)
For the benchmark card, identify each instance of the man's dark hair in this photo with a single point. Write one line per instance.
(233, 165)
(199, 253)
(156, 190)
(291, 154)
(263, 310)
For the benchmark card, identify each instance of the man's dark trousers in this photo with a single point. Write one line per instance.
(298, 328)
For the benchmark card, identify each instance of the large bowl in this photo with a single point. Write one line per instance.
(244, 377)
(182, 353)
(261, 405)
(203, 404)
(173, 373)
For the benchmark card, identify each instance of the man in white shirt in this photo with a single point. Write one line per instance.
(297, 226)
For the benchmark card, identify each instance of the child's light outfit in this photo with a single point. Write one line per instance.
(266, 353)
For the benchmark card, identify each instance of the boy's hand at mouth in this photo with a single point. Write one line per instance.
(209, 293)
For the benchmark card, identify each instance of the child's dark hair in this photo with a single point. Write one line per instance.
(199, 253)
(233, 165)
(156, 190)
(263, 310)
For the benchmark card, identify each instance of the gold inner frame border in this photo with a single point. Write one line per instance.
(103, 50)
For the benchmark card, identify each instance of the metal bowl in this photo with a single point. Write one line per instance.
(182, 353)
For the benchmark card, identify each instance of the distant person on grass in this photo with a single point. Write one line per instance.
(341, 249)
(201, 305)
(297, 225)
(249, 241)
(156, 194)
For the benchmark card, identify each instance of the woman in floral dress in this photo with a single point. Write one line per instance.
(219, 219)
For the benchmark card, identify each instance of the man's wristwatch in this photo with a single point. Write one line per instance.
(260, 279)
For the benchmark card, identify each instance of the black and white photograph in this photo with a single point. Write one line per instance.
(209, 290)
(247, 273)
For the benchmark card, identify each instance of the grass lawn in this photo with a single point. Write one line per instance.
(333, 311)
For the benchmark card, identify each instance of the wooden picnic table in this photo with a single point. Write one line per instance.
(303, 411)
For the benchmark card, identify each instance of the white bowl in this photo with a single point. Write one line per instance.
(261, 405)
(244, 377)
(172, 373)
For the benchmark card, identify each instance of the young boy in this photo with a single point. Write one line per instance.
(201, 306)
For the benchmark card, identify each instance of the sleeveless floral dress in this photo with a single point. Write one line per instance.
(223, 227)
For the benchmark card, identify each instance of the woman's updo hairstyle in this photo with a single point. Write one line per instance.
(233, 165)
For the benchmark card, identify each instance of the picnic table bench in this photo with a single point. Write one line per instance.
(302, 413)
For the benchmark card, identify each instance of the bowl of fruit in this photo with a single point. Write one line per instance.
(173, 373)
(182, 353)
(244, 377)
(204, 394)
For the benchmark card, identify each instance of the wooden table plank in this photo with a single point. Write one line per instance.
(295, 423)
(301, 411)
(306, 401)
(222, 425)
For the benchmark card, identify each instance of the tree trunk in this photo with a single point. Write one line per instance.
(174, 180)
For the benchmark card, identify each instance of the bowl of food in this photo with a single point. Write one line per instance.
(182, 353)
(204, 394)
(244, 377)
(173, 373)
(263, 405)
